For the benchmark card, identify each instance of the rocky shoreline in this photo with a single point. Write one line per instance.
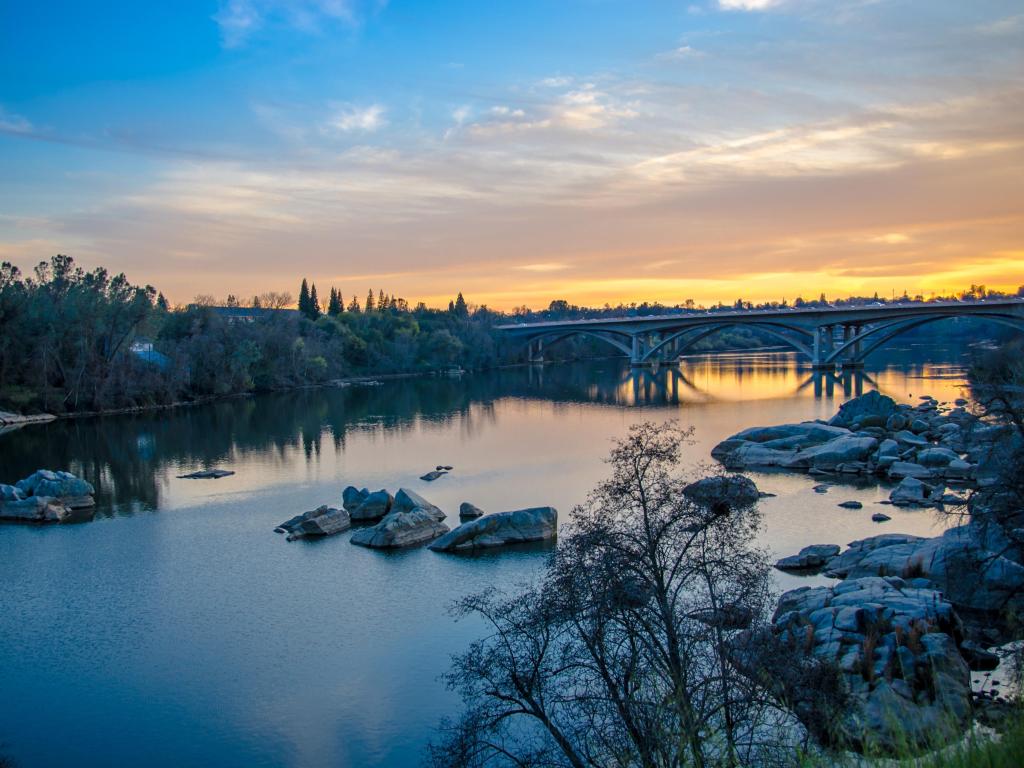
(911, 617)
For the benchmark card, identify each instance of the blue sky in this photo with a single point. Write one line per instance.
(587, 149)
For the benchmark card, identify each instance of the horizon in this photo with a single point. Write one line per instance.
(592, 152)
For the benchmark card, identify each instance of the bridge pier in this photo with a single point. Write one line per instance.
(536, 353)
(823, 343)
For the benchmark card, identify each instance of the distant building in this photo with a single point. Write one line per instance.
(143, 350)
(251, 314)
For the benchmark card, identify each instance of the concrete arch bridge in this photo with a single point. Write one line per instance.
(828, 337)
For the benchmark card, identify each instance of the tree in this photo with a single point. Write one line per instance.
(304, 298)
(461, 310)
(335, 306)
(353, 306)
(369, 301)
(313, 310)
(626, 653)
(276, 300)
(161, 303)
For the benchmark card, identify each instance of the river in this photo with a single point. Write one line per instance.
(177, 629)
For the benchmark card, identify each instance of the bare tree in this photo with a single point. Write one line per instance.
(276, 300)
(625, 653)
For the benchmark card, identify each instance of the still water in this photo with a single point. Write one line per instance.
(177, 629)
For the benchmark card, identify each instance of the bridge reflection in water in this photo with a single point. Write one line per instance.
(711, 379)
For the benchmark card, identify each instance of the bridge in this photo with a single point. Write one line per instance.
(827, 336)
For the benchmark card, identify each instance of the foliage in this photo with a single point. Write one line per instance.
(626, 653)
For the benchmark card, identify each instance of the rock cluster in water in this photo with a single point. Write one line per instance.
(895, 644)
(501, 529)
(322, 521)
(873, 435)
(47, 497)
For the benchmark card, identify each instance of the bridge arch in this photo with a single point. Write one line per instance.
(772, 328)
(609, 337)
(884, 332)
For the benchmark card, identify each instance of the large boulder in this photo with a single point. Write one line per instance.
(72, 490)
(910, 492)
(872, 409)
(936, 457)
(407, 500)
(469, 511)
(374, 507)
(403, 528)
(352, 497)
(501, 529)
(323, 521)
(810, 558)
(840, 450)
(895, 645)
(723, 493)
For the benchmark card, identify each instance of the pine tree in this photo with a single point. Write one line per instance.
(369, 301)
(161, 303)
(336, 305)
(451, 307)
(461, 310)
(314, 304)
(353, 306)
(304, 298)
(382, 303)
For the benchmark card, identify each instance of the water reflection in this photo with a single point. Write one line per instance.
(132, 458)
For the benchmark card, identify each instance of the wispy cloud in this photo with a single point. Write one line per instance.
(748, 5)
(680, 53)
(240, 19)
(11, 122)
(348, 118)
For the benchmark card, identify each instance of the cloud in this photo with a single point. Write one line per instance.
(347, 118)
(544, 267)
(891, 238)
(747, 5)
(241, 19)
(13, 123)
(1010, 25)
(682, 52)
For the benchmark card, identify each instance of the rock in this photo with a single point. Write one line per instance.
(723, 493)
(809, 558)
(405, 528)
(908, 469)
(906, 682)
(936, 457)
(447, 467)
(874, 556)
(978, 658)
(919, 426)
(207, 474)
(407, 500)
(821, 488)
(36, 509)
(469, 511)
(55, 484)
(837, 451)
(13, 419)
(352, 497)
(910, 491)
(958, 469)
(433, 475)
(851, 505)
(880, 517)
(500, 529)
(322, 521)
(870, 409)
(374, 507)
(909, 438)
(896, 422)
(10, 493)
(960, 402)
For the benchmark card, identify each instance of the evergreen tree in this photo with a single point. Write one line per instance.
(256, 302)
(461, 310)
(304, 298)
(382, 301)
(314, 304)
(161, 303)
(336, 305)
(451, 307)
(353, 306)
(369, 301)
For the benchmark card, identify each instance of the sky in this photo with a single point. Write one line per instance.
(519, 152)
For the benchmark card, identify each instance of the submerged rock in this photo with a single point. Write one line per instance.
(501, 529)
(322, 521)
(851, 505)
(207, 474)
(433, 475)
(402, 528)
